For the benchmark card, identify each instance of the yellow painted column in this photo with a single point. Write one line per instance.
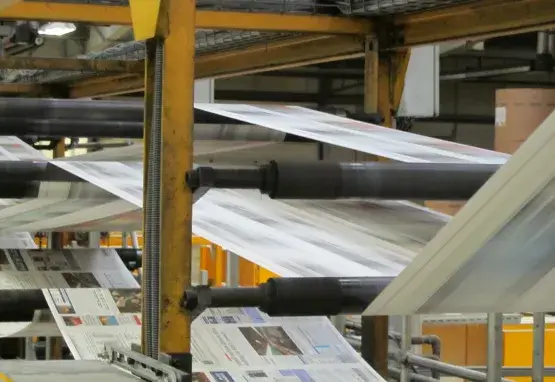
(177, 159)
(169, 27)
(384, 81)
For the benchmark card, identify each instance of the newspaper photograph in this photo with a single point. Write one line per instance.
(67, 268)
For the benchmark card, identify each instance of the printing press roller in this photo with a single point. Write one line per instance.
(116, 119)
(330, 180)
(22, 179)
(307, 296)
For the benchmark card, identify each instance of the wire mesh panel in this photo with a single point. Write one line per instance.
(370, 7)
(388, 7)
(207, 41)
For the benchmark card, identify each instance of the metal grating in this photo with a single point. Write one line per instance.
(359, 7)
(206, 42)
(389, 7)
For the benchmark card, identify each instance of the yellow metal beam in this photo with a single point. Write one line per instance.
(121, 15)
(293, 52)
(177, 158)
(269, 22)
(98, 66)
(145, 18)
(384, 81)
(9, 88)
(486, 18)
(50, 11)
(107, 86)
(287, 53)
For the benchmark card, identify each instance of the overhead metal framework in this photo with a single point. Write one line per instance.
(480, 19)
(205, 19)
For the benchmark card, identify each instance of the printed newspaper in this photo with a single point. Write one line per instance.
(44, 268)
(227, 344)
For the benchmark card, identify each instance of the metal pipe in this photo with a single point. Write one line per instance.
(134, 240)
(405, 347)
(518, 371)
(539, 347)
(432, 340)
(551, 43)
(485, 73)
(495, 347)
(396, 373)
(27, 171)
(327, 180)
(448, 369)
(310, 296)
(542, 47)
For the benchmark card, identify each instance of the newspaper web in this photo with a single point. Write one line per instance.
(243, 344)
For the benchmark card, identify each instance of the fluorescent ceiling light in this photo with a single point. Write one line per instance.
(56, 29)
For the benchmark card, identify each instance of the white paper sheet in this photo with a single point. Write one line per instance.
(365, 137)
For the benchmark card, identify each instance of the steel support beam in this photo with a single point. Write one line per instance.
(169, 123)
(97, 66)
(293, 52)
(286, 53)
(479, 19)
(121, 15)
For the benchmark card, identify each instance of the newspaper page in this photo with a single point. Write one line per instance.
(365, 137)
(227, 344)
(90, 318)
(44, 268)
(247, 345)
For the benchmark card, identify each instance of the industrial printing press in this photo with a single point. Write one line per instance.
(27, 181)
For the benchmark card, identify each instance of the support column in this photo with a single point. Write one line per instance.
(169, 154)
(384, 79)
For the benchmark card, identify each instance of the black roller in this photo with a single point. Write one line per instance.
(79, 118)
(61, 128)
(102, 119)
(309, 296)
(34, 171)
(23, 179)
(131, 257)
(20, 305)
(328, 180)
(44, 108)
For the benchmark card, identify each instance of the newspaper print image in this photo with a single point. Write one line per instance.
(91, 318)
(75, 268)
(244, 344)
